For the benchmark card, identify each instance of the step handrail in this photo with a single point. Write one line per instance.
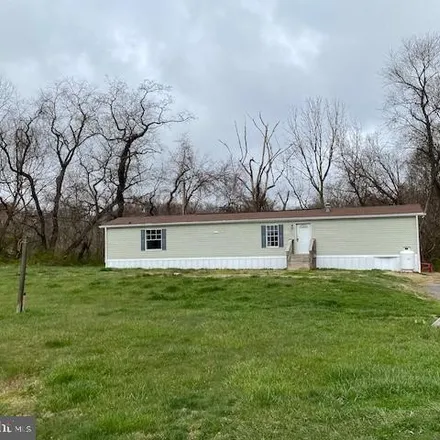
(289, 249)
(312, 254)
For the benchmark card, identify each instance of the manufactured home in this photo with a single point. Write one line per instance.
(342, 238)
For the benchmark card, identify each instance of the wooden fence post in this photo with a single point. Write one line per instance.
(20, 295)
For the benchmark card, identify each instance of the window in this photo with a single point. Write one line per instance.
(153, 239)
(272, 236)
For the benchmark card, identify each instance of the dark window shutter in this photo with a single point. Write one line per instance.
(280, 236)
(164, 239)
(142, 239)
(263, 236)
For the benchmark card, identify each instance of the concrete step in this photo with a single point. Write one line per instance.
(299, 258)
(297, 266)
(300, 261)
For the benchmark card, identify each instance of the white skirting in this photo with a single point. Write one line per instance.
(352, 262)
(362, 262)
(272, 262)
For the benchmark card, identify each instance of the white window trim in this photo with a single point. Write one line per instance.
(277, 228)
(146, 240)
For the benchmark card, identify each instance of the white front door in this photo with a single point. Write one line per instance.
(303, 237)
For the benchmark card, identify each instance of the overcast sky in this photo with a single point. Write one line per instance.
(223, 58)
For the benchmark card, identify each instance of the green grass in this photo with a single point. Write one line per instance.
(137, 355)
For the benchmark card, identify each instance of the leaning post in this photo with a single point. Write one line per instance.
(21, 284)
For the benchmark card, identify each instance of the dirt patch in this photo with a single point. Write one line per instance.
(425, 283)
(18, 395)
(434, 290)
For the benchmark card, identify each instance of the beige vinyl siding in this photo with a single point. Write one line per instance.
(375, 236)
(214, 240)
(367, 236)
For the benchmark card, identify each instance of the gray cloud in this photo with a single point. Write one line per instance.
(222, 58)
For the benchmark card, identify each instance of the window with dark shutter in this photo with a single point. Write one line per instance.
(263, 236)
(272, 236)
(280, 236)
(153, 239)
(164, 239)
(142, 239)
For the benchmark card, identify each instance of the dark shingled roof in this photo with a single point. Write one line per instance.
(271, 215)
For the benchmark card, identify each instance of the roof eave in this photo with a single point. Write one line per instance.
(263, 220)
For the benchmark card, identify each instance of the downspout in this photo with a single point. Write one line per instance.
(418, 245)
(105, 246)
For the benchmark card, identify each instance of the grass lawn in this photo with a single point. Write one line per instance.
(136, 355)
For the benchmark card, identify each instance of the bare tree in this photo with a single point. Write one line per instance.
(298, 188)
(384, 168)
(10, 185)
(151, 200)
(11, 194)
(130, 123)
(190, 177)
(7, 97)
(97, 191)
(20, 144)
(120, 163)
(68, 115)
(350, 163)
(371, 170)
(284, 199)
(74, 156)
(229, 193)
(257, 166)
(412, 77)
(315, 133)
(418, 191)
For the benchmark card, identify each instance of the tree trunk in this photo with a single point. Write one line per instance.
(122, 178)
(55, 211)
